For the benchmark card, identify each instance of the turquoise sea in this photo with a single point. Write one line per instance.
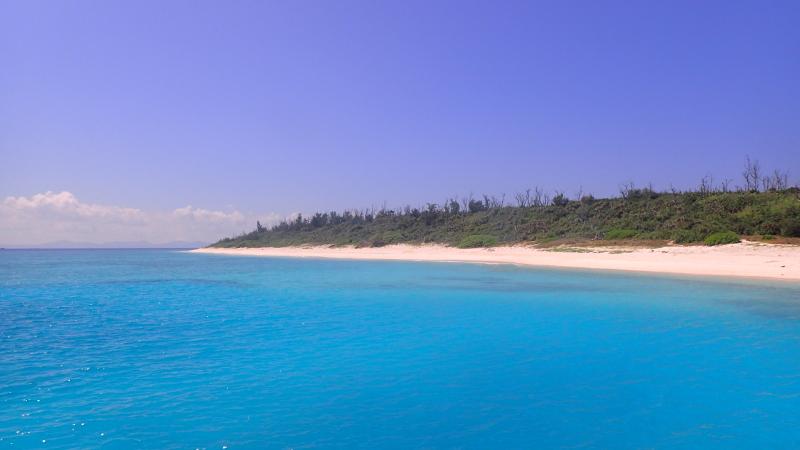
(166, 349)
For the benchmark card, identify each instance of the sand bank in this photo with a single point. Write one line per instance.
(747, 259)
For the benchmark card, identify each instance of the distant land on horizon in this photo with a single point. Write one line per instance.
(56, 245)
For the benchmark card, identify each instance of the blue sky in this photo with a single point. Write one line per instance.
(269, 108)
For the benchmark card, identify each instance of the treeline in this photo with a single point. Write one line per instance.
(764, 205)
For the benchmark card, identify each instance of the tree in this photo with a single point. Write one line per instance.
(476, 206)
(560, 199)
(523, 198)
(706, 184)
(627, 190)
(752, 175)
(454, 207)
(777, 182)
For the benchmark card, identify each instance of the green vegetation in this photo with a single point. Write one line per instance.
(617, 233)
(686, 236)
(477, 240)
(721, 238)
(764, 206)
(642, 214)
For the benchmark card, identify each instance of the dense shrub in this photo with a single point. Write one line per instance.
(790, 226)
(686, 236)
(768, 228)
(657, 235)
(620, 233)
(477, 240)
(721, 238)
(683, 217)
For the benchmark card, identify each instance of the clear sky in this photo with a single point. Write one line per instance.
(267, 108)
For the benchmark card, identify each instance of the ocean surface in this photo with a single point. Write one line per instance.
(166, 349)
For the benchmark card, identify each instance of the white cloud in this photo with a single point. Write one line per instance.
(67, 205)
(204, 214)
(60, 216)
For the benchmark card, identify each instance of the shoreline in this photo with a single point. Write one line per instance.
(743, 260)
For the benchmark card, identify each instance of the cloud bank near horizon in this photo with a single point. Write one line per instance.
(60, 216)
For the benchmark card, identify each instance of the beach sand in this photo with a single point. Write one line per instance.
(746, 259)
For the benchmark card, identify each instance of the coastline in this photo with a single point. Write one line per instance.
(743, 260)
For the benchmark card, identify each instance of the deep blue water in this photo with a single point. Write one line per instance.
(146, 348)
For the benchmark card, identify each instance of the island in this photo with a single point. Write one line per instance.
(751, 231)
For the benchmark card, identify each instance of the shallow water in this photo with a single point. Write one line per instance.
(155, 348)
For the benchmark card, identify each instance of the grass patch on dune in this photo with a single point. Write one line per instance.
(619, 233)
(722, 238)
(477, 241)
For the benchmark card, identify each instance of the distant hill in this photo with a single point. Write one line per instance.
(637, 214)
(107, 245)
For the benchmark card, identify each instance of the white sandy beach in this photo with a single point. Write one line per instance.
(747, 259)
